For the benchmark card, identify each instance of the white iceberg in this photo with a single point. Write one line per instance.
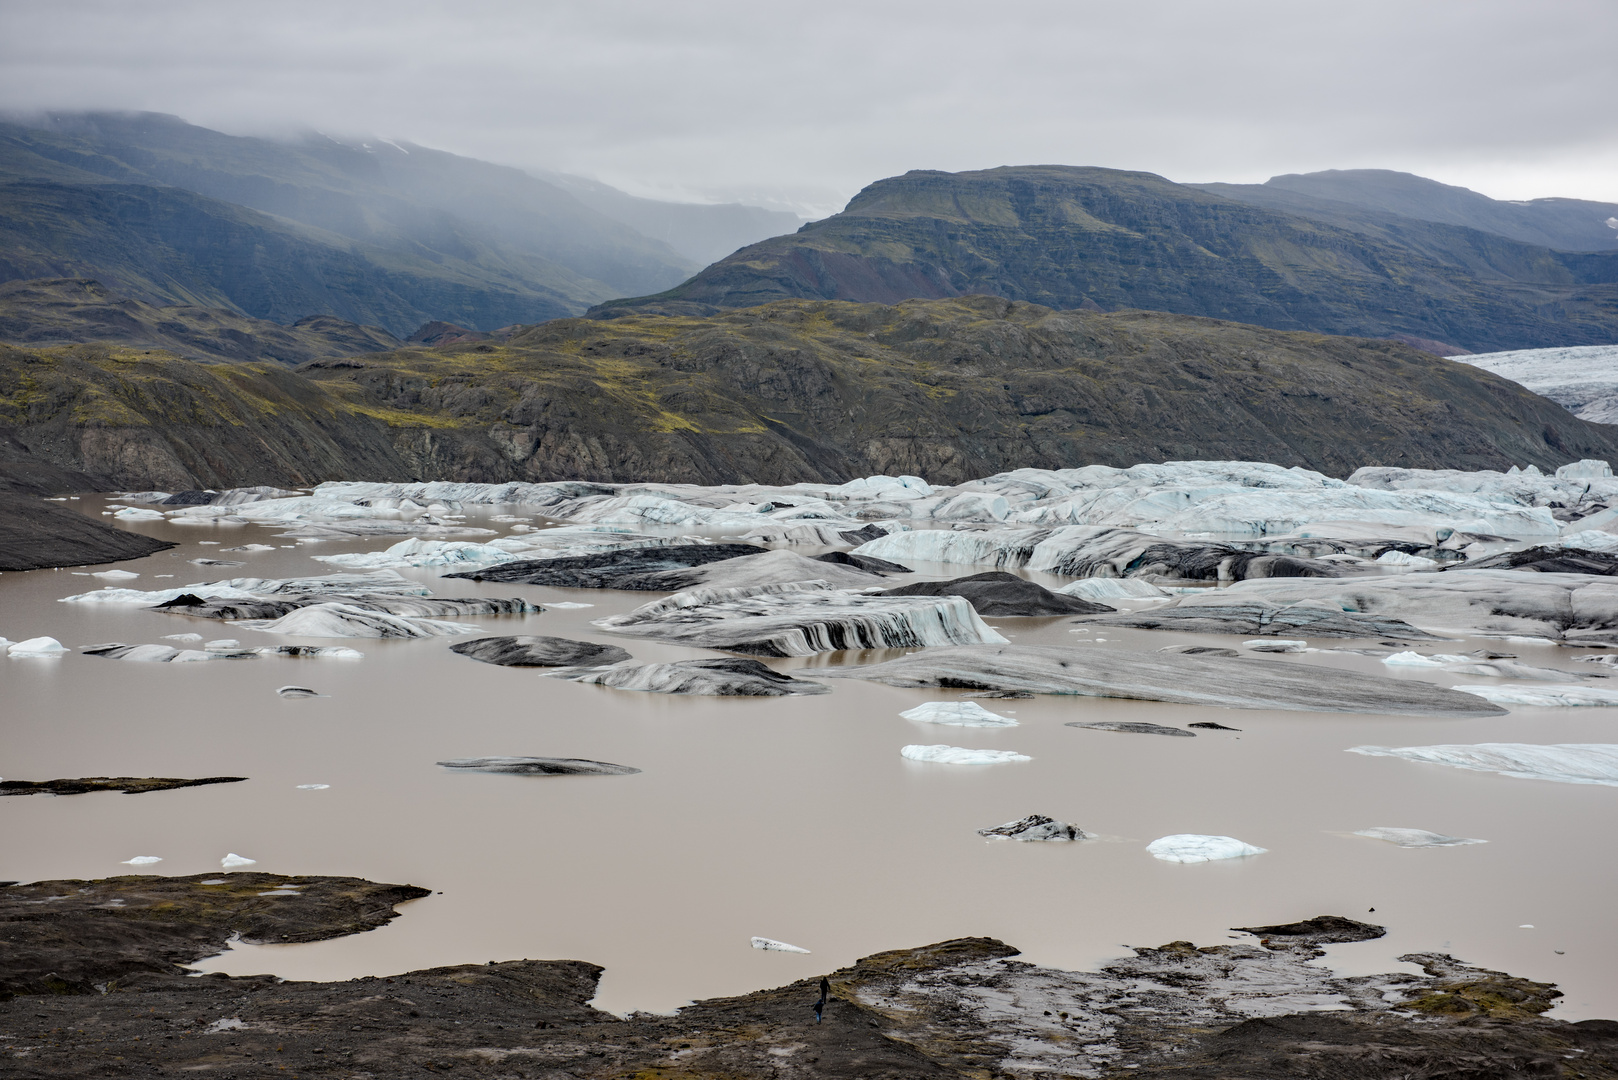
(135, 513)
(1415, 659)
(1112, 589)
(958, 713)
(1414, 837)
(1000, 548)
(566, 605)
(1543, 696)
(313, 787)
(416, 552)
(1194, 847)
(960, 755)
(771, 945)
(143, 860)
(233, 860)
(182, 637)
(1401, 558)
(46, 647)
(1567, 763)
(115, 575)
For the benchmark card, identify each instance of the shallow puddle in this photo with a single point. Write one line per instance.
(787, 818)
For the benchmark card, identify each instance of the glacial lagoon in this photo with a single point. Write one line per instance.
(797, 818)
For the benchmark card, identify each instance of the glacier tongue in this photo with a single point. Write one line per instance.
(801, 619)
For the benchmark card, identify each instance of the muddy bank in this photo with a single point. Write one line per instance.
(35, 535)
(98, 992)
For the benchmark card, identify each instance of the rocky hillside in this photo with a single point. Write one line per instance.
(796, 390)
(1098, 238)
(70, 310)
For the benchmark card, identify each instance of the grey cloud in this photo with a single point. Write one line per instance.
(808, 101)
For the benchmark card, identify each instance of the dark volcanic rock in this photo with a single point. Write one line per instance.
(540, 766)
(130, 785)
(1547, 560)
(862, 562)
(535, 650)
(1133, 728)
(81, 938)
(610, 569)
(724, 677)
(959, 1009)
(1211, 726)
(1321, 930)
(1256, 618)
(35, 535)
(998, 594)
(864, 535)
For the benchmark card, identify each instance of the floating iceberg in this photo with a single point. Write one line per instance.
(535, 650)
(313, 787)
(1112, 589)
(233, 860)
(1543, 696)
(731, 676)
(1035, 827)
(115, 575)
(802, 619)
(1414, 659)
(1414, 837)
(1133, 728)
(297, 692)
(960, 755)
(1568, 763)
(143, 860)
(958, 713)
(771, 945)
(416, 552)
(333, 620)
(1194, 847)
(46, 647)
(135, 513)
(540, 766)
(1228, 682)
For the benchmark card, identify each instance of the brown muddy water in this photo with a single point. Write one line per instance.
(789, 818)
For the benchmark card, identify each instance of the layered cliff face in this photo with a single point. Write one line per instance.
(796, 390)
(1070, 237)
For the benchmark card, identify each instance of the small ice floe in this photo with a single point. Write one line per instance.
(771, 945)
(960, 755)
(313, 787)
(1567, 763)
(328, 652)
(1547, 696)
(1194, 847)
(233, 860)
(143, 860)
(222, 643)
(566, 605)
(47, 647)
(297, 692)
(1134, 728)
(1035, 827)
(1405, 559)
(115, 575)
(182, 637)
(214, 562)
(250, 547)
(135, 513)
(957, 713)
(1415, 659)
(1415, 837)
(1283, 645)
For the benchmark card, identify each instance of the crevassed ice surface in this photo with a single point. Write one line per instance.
(784, 815)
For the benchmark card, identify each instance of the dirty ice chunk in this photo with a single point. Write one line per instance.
(771, 945)
(1414, 837)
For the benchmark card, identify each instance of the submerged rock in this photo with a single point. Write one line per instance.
(1133, 728)
(1240, 683)
(801, 619)
(610, 569)
(1195, 847)
(997, 594)
(1035, 827)
(731, 676)
(1414, 837)
(540, 766)
(129, 785)
(535, 650)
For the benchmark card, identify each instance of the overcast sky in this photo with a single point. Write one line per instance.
(802, 103)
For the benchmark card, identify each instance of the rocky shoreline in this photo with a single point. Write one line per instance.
(93, 984)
